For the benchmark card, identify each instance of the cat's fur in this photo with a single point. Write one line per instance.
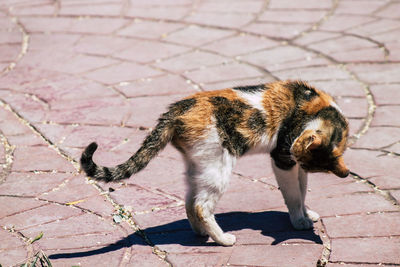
(301, 127)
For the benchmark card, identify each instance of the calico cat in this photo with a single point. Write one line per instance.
(301, 127)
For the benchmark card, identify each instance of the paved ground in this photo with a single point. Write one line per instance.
(74, 71)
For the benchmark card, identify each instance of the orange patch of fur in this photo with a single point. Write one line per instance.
(324, 100)
(198, 119)
(278, 102)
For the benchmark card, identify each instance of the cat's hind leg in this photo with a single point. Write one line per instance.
(208, 179)
(291, 189)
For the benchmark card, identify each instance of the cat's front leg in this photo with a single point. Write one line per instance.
(303, 179)
(289, 184)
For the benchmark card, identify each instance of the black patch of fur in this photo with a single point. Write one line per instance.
(229, 114)
(302, 92)
(257, 122)
(251, 88)
(290, 129)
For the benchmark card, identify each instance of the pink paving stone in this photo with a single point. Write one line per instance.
(338, 23)
(365, 250)
(302, 4)
(122, 73)
(81, 63)
(390, 11)
(148, 259)
(224, 73)
(226, 20)
(340, 88)
(84, 224)
(386, 182)
(163, 85)
(95, 111)
(364, 225)
(277, 30)
(359, 7)
(163, 3)
(11, 37)
(36, 159)
(375, 54)
(315, 37)
(378, 137)
(387, 37)
(150, 29)
(266, 78)
(254, 166)
(170, 219)
(53, 41)
(355, 203)
(231, 7)
(311, 60)
(313, 73)
(12, 240)
(377, 73)
(148, 51)
(355, 126)
(75, 189)
(13, 256)
(26, 139)
(101, 45)
(246, 195)
(396, 194)
(353, 107)
(140, 199)
(41, 10)
(191, 61)
(66, 87)
(345, 43)
(23, 75)
(342, 264)
(29, 184)
(193, 259)
(161, 178)
(19, 205)
(197, 36)
(371, 164)
(275, 56)
(9, 52)
(279, 255)
(88, 10)
(75, 25)
(97, 204)
(322, 185)
(300, 16)
(144, 113)
(84, 257)
(240, 44)
(158, 12)
(107, 137)
(386, 116)
(94, 241)
(38, 216)
(378, 26)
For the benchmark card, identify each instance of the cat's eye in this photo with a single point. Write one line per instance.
(308, 92)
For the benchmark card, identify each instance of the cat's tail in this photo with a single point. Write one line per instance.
(154, 142)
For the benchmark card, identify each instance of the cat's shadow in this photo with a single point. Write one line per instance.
(274, 224)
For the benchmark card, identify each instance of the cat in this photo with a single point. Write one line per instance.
(301, 127)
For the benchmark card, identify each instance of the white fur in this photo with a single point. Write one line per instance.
(209, 167)
(293, 186)
(253, 99)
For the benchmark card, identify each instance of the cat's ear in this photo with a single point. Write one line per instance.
(340, 168)
(314, 141)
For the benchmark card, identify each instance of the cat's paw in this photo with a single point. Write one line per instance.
(312, 215)
(302, 223)
(226, 240)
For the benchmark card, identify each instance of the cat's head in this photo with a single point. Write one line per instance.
(321, 145)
